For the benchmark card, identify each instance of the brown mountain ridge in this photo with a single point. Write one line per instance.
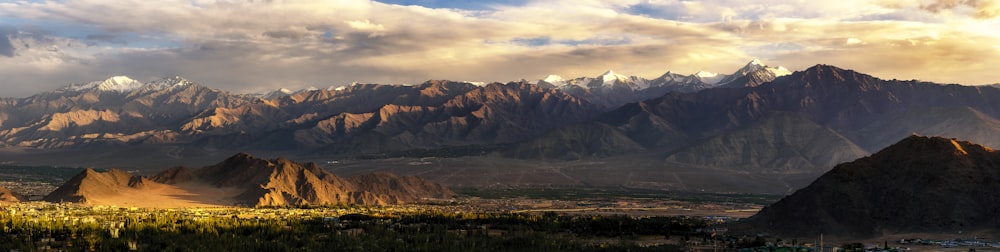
(766, 127)
(920, 184)
(247, 181)
(6, 195)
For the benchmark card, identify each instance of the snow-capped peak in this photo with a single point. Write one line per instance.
(611, 74)
(753, 66)
(704, 74)
(779, 71)
(710, 77)
(477, 83)
(166, 83)
(759, 72)
(610, 77)
(757, 65)
(552, 78)
(119, 84)
(124, 84)
(277, 93)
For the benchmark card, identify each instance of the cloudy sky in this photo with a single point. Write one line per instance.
(254, 45)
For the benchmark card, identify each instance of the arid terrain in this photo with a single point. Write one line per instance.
(170, 196)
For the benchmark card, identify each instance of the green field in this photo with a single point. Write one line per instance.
(41, 226)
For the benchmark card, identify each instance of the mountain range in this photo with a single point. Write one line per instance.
(918, 185)
(759, 121)
(366, 118)
(246, 181)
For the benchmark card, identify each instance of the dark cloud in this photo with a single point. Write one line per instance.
(285, 34)
(106, 38)
(984, 9)
(6, 48)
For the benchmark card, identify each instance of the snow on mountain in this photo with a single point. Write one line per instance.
(124, 84)
(281, 92)
(119, 84)
(710, 77)
(477, 83)
(752, 74)
(555, 80)
(756, 65)
(344, 87)
(779, 71)
(167, 83)
(693, 82)
(609, 78)
(670, 78)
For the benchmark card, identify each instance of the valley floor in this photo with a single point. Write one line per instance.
(487, 171)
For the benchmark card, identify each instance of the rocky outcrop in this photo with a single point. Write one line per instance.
(252, 182)
(7, 195)
(281, 182)
(393, 189)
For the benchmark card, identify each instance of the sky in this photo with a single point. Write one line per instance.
(260, 45)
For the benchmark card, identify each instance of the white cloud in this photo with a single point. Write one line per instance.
(255, 45)
(367, 26)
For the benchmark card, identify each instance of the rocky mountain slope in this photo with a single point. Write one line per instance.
(850, 112)
(174, 111)
(251, 181)
(8, 196)
(90, 185)
(611, 90)
(920, 184)
(758, 120)
(778, 143)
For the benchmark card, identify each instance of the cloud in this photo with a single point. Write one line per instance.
(6, 48)
(257, 45)
(367, 26)
(106, 38)
(982, 9)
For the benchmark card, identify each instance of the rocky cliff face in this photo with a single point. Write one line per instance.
(920, 184)
(282, 182)
(9, 196)
(254, 182)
